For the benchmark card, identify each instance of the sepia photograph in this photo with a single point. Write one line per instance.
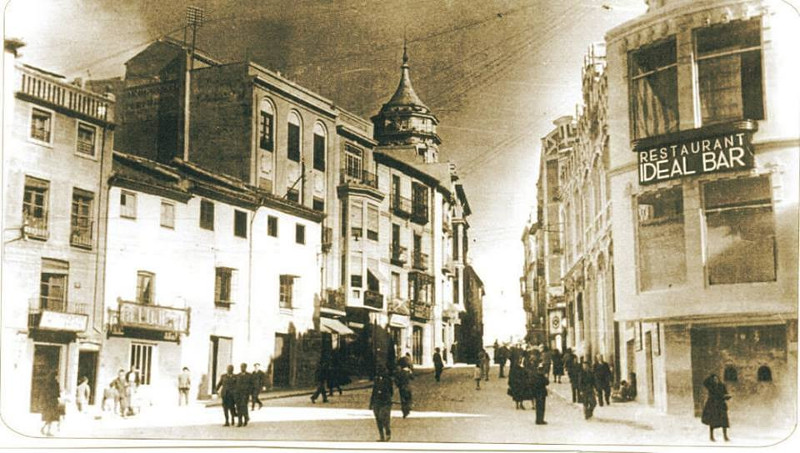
(376, 225)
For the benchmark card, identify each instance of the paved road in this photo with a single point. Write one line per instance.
(449, 411)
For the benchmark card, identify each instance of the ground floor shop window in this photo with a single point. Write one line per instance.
(662, 250)
(142, 360)
(416, 351)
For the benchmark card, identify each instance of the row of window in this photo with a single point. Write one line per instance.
(36, 207)
(41, 130)
(727, 59)
(294, 123)
(240, 218)
(738, 231)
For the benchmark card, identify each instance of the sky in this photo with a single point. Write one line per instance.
(495, 72)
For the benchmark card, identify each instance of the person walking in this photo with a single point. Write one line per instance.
(516, 378)
(573, 371)
(321, 378)
(82, 394)
(225, 390)
(49, 403)
(184, 384)
(132, 391)
(110, 396)
(438, 364)
(500, 358)
(477, 375)
(121, 387)
(586, 387)
(558, 365)
(540, 383)
(603, 378)
(259, 380)
(243, 387)
(402, 378)
(547, 360)
(485, 362)
(380, 403)
(715, 411)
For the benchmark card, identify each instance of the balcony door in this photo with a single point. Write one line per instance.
(416, 350)
(46, 360)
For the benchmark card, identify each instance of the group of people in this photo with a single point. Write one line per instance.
(122, 393)
(380, 402)
(331, 373)
(239, 390)
(527, 377)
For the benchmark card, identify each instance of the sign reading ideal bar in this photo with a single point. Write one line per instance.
(725, 152)
(153, 317)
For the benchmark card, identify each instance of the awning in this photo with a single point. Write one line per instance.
(334, 326)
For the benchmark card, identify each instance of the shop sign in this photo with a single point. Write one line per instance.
(153, 317)
(70, 322)
(719, 153)
(555, 318)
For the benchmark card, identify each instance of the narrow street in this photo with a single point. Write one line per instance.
(451, 411)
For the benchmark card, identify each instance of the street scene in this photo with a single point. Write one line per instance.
(505, 223)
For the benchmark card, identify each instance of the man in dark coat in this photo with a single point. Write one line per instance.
(438, 364)
(380, 403)
(321, 378)
(225, 390)
(243, 385)
(586, 387)
(539, 384)
(603, 378)
(573, 371)
(402, 378)
(259, 380)
(500, 358)
(715, 411)
(558, 365)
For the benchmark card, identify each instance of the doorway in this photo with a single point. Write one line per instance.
(46, 360)
(281, 363)
(87, 366)
(416, 336)
(220, 356)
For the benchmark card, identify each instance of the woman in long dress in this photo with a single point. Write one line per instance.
(715, 412)
(48, 397)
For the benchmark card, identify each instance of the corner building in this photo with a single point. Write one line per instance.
(704, 188)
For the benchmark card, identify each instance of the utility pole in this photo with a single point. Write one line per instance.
(194, 19)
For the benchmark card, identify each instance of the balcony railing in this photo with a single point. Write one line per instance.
(421, 261)
(133, 315)
(62, 94)
(401, 205)
(420, 310)
(36, 227)
(399, 255)
(373, 299)
(334, 300)
(58, 315)
(353, 176)
(81, 236)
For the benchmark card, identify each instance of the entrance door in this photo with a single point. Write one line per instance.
(648, 352)
(280, 361)
(46, 360)
(221, 355)
(416, 336)
(87, 366)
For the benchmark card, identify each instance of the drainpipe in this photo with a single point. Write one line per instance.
(99, 254)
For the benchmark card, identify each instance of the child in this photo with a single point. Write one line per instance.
(82, 394)
(477, 374)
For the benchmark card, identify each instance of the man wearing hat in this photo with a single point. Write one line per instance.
(539, 384)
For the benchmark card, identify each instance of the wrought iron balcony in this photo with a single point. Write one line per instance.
(420, 261)
(399, 255)
(81, 236)
(58, 315)
(36, 227)
(373, 299)
(401, 206)
(334, 300)
(363, 177)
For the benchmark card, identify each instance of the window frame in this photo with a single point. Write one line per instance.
(286, 292)
(632, 79)
(294, 151)
(45, 300)
(83, 124)
(240, 223)
(76, 217)
(320, 147)
(42, 187)
(272, 226)
(207, 215)
(354, 161)
(126, 213)
(636, 200)
(162, 218)
(266, 131)
(300, 234)
(140, 275)
(51, 125)
(222, 275)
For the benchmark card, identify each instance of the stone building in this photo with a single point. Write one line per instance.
(57, 140)
(537, 318)
(704, 183)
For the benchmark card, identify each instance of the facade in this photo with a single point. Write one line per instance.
(704, 184)
(242, 305)
(531, 282)
(470, 342)
(56, 157)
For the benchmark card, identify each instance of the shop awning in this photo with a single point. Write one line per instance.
(334, 326)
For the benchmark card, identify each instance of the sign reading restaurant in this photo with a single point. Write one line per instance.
(691, 155)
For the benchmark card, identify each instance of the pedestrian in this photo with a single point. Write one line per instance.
(454, 351)
(603, 378)
(623, 393)
(380, 403)
(547, 361)
(715, 411)
(259, 379)
(321, 378)
(500, 358)
(402, 378)
(225, 390)
(558, 365)
(82, 394)
(121, 387)
(573, 371)
(438, 364)
(586, 387)
(540, 383)
(485, 362)
(184, 384)
(132, 391)
(477, 375)
(243, 387)
(516, 378)
(49, 396)
(110, 397)
(338, 375)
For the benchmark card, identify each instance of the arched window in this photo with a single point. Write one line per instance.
(320, 146)
(293, 137)
(730, 374)
(764, 374)
(266, 121)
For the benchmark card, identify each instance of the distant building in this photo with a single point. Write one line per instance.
(531, 283)
(57, 140)
(470, 342)
(704, 183)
